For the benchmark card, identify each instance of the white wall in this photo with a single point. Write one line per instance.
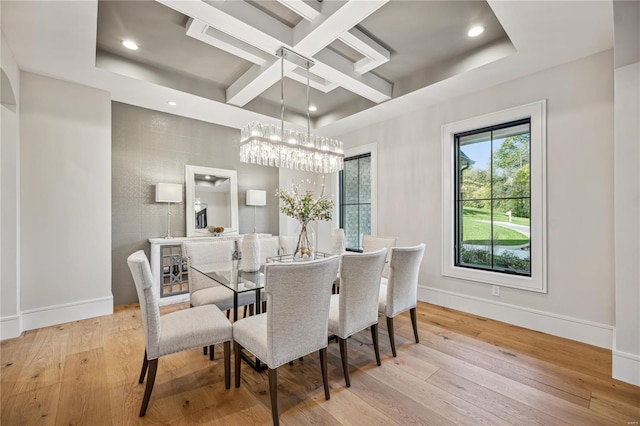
(626, 361)
(579, 194)
(626, 350)
(65, 201)
(9, 197)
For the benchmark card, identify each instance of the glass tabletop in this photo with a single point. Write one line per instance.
(289, 258)
(228, 274)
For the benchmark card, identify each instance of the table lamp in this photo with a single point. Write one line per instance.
(168, 193)
(256, 198)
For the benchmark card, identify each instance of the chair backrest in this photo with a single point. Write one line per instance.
(269, 247)
(298, 299)
(402, 287)
(372, 243)
(205, 252)
(288, 244)
(141, 272)
(359, 290)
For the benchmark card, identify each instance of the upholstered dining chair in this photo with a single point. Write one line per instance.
(356, 307)
(400, 292)
(372, 243)
(176, 331)
(269, 247)
(295, 324)
(288, 244)
(202, 289)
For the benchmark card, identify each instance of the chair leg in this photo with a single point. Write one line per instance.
(374, 337)
(273, 390)
(228, 312)
(251, 310)
(325, 375)
(204, 350)
(345, 360)
(153, 368)
(244, 314)
(391, 337)
(211, 352)
(227, 364)
(145, 364)
(237, 359)
(414, 322)
(264, 307)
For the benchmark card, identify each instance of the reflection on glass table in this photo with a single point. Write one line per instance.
(236, 280)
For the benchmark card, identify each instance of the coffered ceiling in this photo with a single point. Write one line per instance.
(364, 52)
(374, 59)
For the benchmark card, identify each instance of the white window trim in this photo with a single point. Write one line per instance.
(538, 280)
(371, 148)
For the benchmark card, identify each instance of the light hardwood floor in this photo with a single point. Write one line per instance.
(466, 370)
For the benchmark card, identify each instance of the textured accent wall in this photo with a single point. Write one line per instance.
(150, 147)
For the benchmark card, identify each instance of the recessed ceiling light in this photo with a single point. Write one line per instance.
(129, 44)
(171, 103)
(475, 31)
(207, 177)
(313, 108)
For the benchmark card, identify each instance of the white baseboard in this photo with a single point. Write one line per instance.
(10, 327)
(589, 332)
(74, 311)
(626, 366)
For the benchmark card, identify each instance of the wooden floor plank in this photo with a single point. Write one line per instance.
(554, 406)
(465, 370)
(623, 412)
(505, 408)
(35, 407)
(83, 390)
(550, 383)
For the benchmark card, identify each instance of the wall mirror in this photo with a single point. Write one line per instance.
(211, 200)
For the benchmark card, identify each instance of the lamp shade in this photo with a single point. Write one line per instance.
(168, 192)
(256, 197)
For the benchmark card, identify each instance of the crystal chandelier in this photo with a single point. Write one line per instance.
(270, 145)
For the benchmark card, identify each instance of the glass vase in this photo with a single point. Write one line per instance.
(305, 243)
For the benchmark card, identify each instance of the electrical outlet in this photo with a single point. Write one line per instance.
(495, 290)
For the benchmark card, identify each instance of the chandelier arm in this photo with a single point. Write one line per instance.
(282, 97)
(308, 113)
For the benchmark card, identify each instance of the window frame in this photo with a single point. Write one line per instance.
(457, 211)
(359, 151)
(537, 282)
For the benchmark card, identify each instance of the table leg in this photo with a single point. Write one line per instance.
(258, 301)
(235, 306)
(258, 305)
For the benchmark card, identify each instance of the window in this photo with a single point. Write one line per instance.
(493, 197)
(494, 201)
(355, 200)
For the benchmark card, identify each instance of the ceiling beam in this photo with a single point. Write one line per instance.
(339, 70)
(375, 54)
(238, 19)
(251, 26)
(216, 38)
(308, 10)
(312, 37)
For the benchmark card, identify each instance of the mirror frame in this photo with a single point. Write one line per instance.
(190, 185)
